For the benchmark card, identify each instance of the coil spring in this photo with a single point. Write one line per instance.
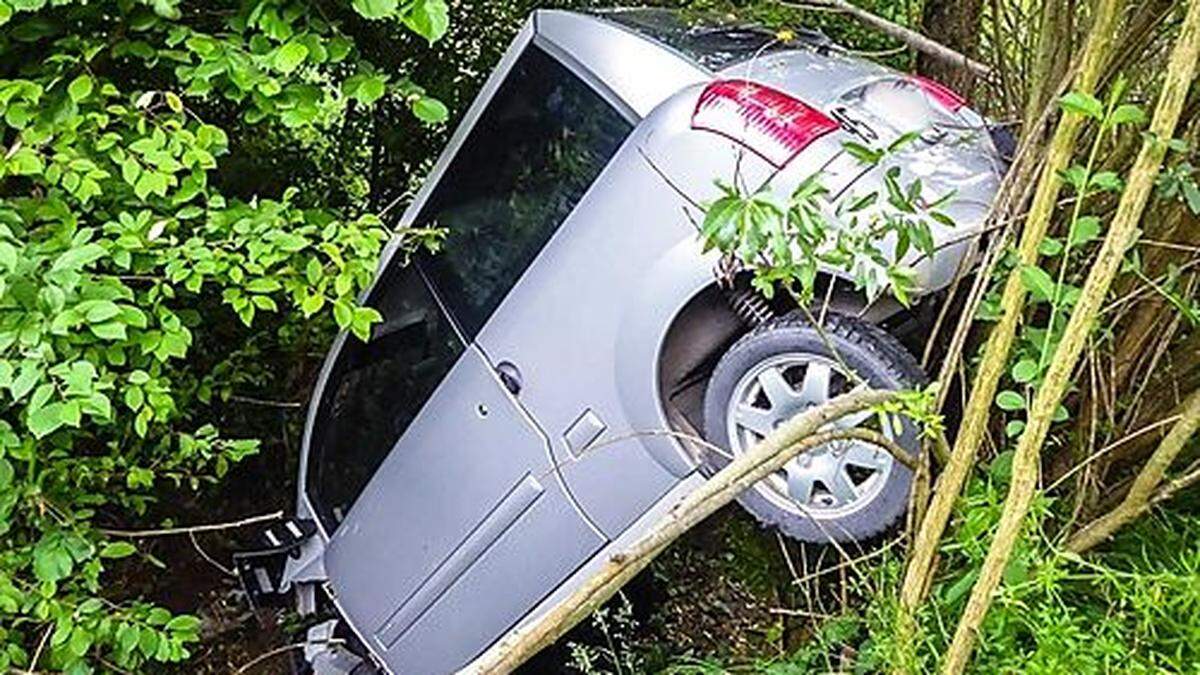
(749, 306)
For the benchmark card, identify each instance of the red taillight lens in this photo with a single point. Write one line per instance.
(945, 96)
(764, 120)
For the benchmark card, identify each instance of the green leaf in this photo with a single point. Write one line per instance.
(1025, 370)
(1038, 282)
(1014, 428)
(77, 258)
(127, 638)
(312, 304)
(1000, 468)
(185, 623)
(1010, 400)
(430, 110)
(134, 397)
(118, 549)
(290, 56)
(1127, 113)
(1083, 230)
(343, 314)
(109, 330)
(1191, 194)
(375, 9)
(46, 420)
(1082, 104)
(26, 162)
(6, 12)
(6, 474)
(365, 88)
(167, 9)
(429, 19)
(51, 560)
(80, 88)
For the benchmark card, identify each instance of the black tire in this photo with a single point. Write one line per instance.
(869, 351)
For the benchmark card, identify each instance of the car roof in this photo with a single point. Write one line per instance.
(646, 55)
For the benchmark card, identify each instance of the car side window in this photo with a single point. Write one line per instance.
(540, 143)
(375, 390)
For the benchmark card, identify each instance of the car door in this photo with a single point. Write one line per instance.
(539, 153)
(432, 560)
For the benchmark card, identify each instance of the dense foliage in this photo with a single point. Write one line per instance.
(187, 188)
(176, 180)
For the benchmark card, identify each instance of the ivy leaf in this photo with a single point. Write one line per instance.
(289, 57)
(80, 88)
(375, 9)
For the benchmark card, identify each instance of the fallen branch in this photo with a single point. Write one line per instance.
(1141, 494)
(908, 36)
(797, 435)
(212, 527)
(1121, 235)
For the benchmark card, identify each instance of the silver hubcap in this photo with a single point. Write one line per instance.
(833, 480)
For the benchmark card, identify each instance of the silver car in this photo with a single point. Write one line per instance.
(524, 408)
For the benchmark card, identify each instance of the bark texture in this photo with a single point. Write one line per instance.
(1122, 233)
(995, 355)
(957, 25)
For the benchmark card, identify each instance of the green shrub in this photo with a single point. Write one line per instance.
(140, 258)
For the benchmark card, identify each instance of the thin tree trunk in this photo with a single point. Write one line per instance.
(1051, 59)
(1138, 500)
(1121, 234)
(797, 435)
(957, 25)
(995, 356)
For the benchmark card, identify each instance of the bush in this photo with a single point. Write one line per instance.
(175, 180)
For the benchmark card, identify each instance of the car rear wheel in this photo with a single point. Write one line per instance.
(846, 490)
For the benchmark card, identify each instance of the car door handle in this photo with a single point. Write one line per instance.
(510, 376)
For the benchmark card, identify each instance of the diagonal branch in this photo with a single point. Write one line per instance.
(797, 435)
(908, 36)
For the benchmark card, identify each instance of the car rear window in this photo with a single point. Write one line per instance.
(540, 143)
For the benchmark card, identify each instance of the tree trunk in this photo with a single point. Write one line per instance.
(956, 23)
(1121, 234)
(995, 356)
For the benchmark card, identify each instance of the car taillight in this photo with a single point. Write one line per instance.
(766, 121)
(944, 96)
